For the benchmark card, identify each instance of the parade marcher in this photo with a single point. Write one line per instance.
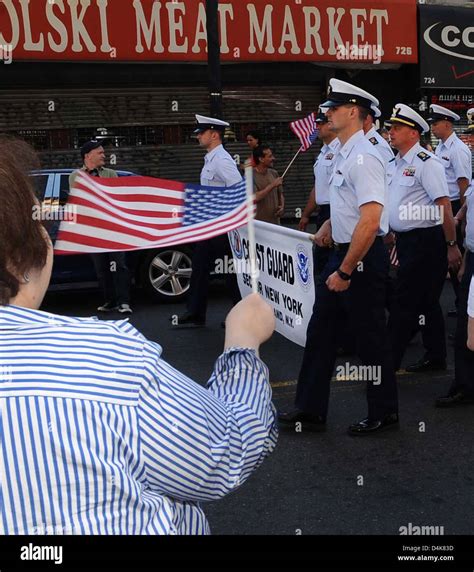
(354, 278)
(380, 143)
(319, 196)
(461, 391)
(457, 161)
(267, 186)
(470, 313)
(111, 267)
(219, 170)
(421, 216)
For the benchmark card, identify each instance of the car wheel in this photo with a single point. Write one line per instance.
(166, 274)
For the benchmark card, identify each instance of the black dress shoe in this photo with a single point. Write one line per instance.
(370, 426)
(426, 365)
(191, 320)
(454, 400)
(308, 422)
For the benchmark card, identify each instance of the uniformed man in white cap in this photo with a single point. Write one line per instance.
(380, 144)
(319, 196)
(461, 391)
(219, 170)
(354, 278)
(422, 218)
(457, 161)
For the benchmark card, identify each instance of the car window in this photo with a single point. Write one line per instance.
(63, 188)
(40, 183)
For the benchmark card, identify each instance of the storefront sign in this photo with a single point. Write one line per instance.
(366, 31)
(447, 47)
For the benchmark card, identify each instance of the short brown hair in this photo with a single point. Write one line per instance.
(23, 244)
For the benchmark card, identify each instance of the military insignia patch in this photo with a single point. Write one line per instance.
(374, 141)
(409, 172)
(329, 156)
(423, 156)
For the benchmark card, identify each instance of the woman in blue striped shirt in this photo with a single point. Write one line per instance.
(99, 435)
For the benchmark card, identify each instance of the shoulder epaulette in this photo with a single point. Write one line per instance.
(374, 141)
(423, 156)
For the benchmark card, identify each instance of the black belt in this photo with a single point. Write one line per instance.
(416, 231)
(341, 246)
(344, 246)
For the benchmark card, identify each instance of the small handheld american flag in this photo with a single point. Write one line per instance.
(306, 130)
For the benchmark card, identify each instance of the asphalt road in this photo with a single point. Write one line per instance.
(328, 483)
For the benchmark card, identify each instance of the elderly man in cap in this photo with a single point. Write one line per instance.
(354, 279)
(111, 267)
(421, 216)
(219, 170)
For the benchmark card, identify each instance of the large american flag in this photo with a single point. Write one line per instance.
(306, 130)
(132, 213)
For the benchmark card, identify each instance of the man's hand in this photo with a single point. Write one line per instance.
(454, 258)
(336, 284)
(304, 221)
(389, 240)
(250, 323)
(278, 182)
(323, 238)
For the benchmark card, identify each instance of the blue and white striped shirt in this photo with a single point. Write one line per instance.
(99, 435)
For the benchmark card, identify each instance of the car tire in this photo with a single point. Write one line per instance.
(166, 273)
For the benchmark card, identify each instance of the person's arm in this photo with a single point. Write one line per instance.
(281, 202)
(470, 321)
(199, 443)
(462, 165)
(309, 209)
(363, 236)
(463, 185)
(262, 193)
(449, 228)
(72, 178)
(433, 179)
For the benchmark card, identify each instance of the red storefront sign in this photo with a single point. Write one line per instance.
(170, 30)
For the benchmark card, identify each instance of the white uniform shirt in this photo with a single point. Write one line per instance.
(380, 145)
(415, 181)
(470, 302)
(456, 158)
(358, 177)
(219, 169)
(469, 196)
(323, 169)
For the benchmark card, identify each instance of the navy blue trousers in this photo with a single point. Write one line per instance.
(364, 305)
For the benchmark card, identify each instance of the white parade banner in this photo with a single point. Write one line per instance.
(285, 274)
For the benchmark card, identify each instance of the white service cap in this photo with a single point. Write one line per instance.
(405, 115)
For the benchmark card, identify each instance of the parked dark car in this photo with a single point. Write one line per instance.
(164, 272)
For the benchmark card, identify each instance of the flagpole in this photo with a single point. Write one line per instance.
(291, 162)
(251, 226)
